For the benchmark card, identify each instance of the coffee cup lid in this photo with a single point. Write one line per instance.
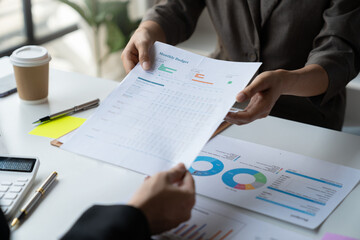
(30, 56)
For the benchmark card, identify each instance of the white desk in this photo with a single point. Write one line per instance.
(83, 182)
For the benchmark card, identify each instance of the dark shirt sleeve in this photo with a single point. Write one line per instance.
(4, 227)
(337, 47)
(110, 222)
(177, 18)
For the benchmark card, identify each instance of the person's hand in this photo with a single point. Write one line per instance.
(137, 49)
(263, 93)
(266, 89)
(166, 198)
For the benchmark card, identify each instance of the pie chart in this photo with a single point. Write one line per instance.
(228, 179)
(200, 167)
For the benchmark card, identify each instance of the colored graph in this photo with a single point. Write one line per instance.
(205, 224)
(166, 69)
(217, 166)
(228, 179)
(200, 78)
(185, 231)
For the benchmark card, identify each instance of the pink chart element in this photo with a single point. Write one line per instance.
(333, 236)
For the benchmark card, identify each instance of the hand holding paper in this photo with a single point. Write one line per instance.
(158, 118)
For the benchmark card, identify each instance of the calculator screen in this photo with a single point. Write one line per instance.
(17, 164)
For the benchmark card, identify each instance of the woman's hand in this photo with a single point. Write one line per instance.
(267, 87)
(137, 49)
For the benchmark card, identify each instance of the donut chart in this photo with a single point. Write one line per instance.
(217, 166)
(228, 179)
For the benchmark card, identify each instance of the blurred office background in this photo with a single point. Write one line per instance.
(72, 44)
(69, 38)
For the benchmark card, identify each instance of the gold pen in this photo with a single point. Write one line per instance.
(34, 199)
(82, 107)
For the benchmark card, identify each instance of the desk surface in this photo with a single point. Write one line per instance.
(83, 182)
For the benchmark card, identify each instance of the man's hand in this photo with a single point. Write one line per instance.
(166, 198)
(266, 89)
(137, 49)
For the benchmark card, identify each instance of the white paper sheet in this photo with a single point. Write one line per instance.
(212, 220)
(284, 185)
(155, 119)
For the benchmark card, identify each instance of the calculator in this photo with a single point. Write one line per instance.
(17, 174)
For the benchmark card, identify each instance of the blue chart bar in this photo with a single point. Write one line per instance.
(180, 228)
(188, 230)
(294, 195)
(143, 79)
(315, 179)
(286, 206)
(196, 232)
(201, 236)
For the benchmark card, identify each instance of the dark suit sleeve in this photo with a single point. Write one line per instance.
(177, 18)
(110, 222)
(337, 47)
(4, 228)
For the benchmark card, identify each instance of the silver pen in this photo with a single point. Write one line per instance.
(34, 199)
(82, 107)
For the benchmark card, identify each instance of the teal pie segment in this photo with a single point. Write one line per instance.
(217, 166)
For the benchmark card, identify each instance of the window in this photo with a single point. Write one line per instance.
(24, 22)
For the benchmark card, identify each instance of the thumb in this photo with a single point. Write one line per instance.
(144, 58)
(257, 85)
(188, 183)
(176, 173)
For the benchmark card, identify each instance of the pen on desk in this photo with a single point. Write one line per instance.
(85, 106)
(7, 93)
(34, 199)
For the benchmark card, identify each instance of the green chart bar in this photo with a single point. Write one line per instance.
(166, 69)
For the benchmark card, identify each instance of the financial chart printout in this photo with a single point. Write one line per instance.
(284, 185)
(157, 118)
(213, 220)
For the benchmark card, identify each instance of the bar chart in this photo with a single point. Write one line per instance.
(206, 224)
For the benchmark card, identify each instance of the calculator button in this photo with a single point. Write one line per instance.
(15, 189)
(10, 196)
(23, 179)
(6, 183)
(19, 184)
(5, 203)
(3, 188)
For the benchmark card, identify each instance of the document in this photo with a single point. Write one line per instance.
(158, 118)
(212, 220)
(284, 185)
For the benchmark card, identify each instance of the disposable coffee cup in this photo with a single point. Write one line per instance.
(31, 69)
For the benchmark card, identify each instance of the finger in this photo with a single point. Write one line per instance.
(143, 48)
(176, 173)
(259, 84)
(188, 183)
(129, 58)
(128, 65)
(258, 107)
(233, 118)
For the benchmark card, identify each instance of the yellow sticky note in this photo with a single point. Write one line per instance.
(58, 127)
